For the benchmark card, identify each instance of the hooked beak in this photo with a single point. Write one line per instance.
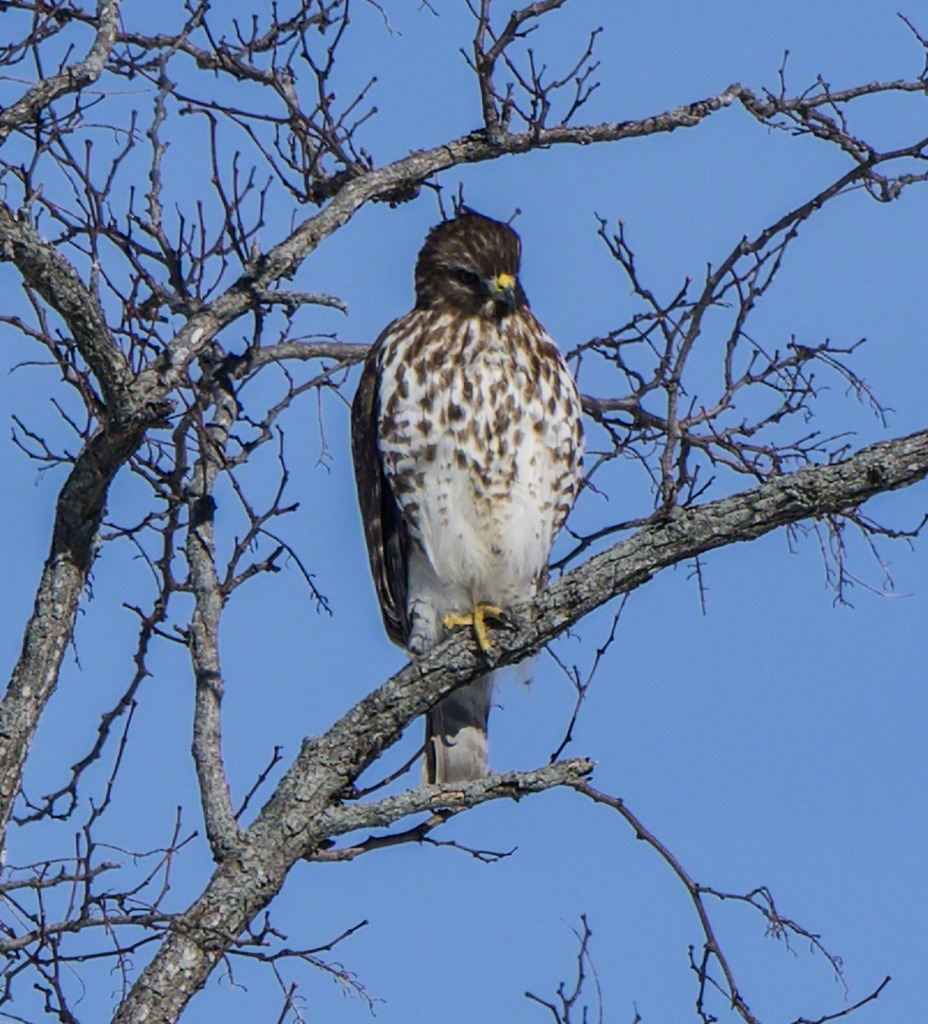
(502, 289)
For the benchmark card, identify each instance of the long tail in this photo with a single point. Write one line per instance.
(456, 745)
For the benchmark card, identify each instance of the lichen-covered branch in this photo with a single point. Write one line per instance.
(299, 815)
(203, 633)
(81, 505)
(55, 279)
(70, 79)
(159, 306)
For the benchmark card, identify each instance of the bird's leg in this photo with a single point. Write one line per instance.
(477, 619)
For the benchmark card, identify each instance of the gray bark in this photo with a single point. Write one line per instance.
(134, 402)
(304, 809)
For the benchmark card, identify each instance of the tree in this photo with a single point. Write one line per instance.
(166, 179)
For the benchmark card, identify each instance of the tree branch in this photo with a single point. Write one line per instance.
(73, 78)
(339, 820)
(711, 948)
(215, 796)
(299, 815)
(138, 403)
(55, 279)
(81, 505)
(285, 258)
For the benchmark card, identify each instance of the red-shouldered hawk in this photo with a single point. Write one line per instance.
(467, 445)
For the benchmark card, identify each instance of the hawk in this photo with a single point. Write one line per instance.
(467, 445)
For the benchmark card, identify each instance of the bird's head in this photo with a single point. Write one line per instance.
(471, 264)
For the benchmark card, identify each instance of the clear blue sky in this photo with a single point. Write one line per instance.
(776, 739)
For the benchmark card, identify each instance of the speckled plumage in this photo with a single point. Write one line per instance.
(467, 441)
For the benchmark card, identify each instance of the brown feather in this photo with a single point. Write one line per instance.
(467, 446)
(384, 527)
(473, 244)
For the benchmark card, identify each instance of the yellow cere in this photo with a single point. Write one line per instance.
(505, 281)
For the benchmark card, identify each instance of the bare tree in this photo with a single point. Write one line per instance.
(140, 299)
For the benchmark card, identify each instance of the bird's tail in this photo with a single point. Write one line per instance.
(456, 745)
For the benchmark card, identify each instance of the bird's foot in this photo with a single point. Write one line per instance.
(477, 618)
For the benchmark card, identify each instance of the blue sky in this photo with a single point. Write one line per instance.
(777, 739)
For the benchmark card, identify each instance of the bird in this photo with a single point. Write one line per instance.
(467, 443)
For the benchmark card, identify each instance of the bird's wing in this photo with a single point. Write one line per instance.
(384, 527)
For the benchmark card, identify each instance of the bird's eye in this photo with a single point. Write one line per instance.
(466, 277)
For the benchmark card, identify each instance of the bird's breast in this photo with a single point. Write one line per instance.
(482, 451)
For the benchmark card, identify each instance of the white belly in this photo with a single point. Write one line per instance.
(484, 461)
(490, 542)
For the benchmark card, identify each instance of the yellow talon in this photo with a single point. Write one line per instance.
(476, 619)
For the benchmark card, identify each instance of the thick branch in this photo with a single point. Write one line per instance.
(135, 404)
(341, 819)
(344, 352)
(81, 505)
(446, 801)
(73, 78)
(48, 272)
(203, 634)
(284, 259)
(296, 819)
